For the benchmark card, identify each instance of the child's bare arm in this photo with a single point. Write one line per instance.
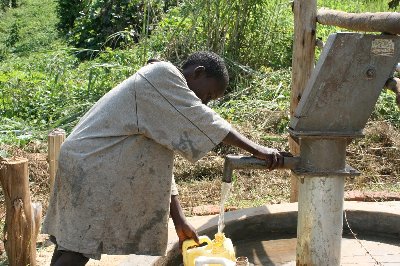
(183, 229)
(272, 156)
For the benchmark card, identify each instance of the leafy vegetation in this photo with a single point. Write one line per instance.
(394, 4)
(44, 84)
(94, 25)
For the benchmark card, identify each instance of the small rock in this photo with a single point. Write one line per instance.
(371, 196)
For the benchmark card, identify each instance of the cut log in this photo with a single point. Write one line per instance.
(302, 64)
(387, 22)
(22, 217)
(55, 139)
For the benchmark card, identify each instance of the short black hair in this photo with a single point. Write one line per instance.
(213, 63)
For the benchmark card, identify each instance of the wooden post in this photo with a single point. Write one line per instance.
(22, 217)
(55, 139)
(302, 64)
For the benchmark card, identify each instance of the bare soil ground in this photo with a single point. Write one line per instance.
(377, 156)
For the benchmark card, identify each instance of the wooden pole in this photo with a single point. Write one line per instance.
(54, 139)
(387, 22)
(22, 217)
(302, 64)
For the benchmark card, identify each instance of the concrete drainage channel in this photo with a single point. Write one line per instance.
(267, 234)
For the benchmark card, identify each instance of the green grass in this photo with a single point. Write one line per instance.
(28, 28)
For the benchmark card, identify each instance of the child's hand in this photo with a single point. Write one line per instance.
(393, 84)
(272, 157)
(186, 231)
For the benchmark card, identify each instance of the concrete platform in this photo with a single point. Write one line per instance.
(377, 225)
(368, 251)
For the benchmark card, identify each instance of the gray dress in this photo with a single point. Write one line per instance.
(113, 186)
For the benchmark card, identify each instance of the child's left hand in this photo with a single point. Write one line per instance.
(186, 231)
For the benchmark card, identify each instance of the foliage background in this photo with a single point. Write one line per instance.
(58, 57)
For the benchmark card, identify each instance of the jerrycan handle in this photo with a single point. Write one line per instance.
(202, 260)
(190, 243)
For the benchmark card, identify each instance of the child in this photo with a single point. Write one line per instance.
(114, 188)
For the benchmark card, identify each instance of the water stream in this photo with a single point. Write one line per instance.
(225, 191)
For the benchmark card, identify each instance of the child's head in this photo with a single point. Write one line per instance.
(206, 75)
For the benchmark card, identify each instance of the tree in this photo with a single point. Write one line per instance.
(68, 11)
(8, 3)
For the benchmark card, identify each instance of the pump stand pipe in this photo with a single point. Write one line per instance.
(233, 162)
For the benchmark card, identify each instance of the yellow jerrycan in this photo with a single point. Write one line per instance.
(221, 247)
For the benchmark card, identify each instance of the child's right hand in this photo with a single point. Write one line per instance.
(272, 157)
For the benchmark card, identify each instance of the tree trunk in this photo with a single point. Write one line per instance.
(302, 64)
(387, 22)
(22, 217)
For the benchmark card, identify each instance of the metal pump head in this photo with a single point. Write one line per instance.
(345, 84)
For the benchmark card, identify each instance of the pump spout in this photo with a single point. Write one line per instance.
(233, 162)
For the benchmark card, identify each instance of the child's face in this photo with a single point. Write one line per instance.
(205, 87)
(208, 89)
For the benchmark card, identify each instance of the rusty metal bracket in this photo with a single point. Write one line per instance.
(347, 171)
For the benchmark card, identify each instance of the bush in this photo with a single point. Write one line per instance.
(97, 24)
(68, 11)
(249, 32)
(393, 4)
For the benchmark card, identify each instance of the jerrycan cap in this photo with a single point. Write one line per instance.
(242, 261)
(219, 238)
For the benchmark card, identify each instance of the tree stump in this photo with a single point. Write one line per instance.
(22, 217)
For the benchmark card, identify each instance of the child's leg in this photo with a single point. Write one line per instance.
(56, 254)
(68, 258)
